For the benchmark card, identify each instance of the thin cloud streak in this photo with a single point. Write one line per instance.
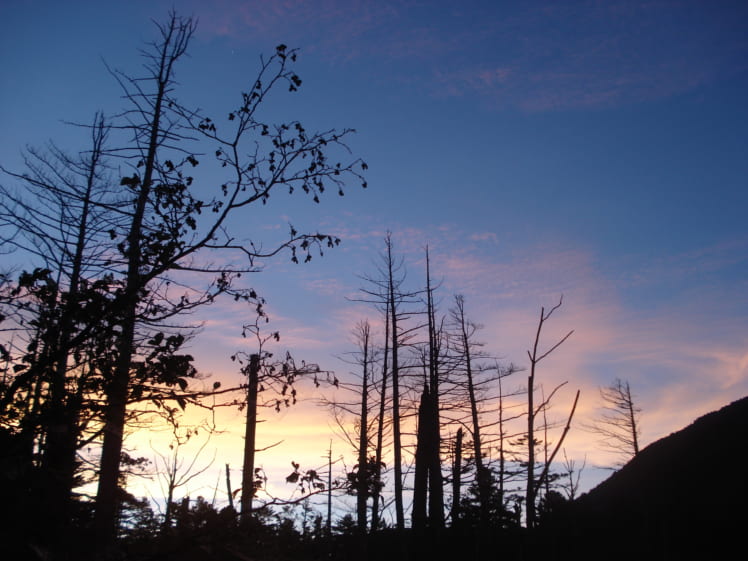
(539, 57)
(609, 340)
(505, 289)
(678, 372)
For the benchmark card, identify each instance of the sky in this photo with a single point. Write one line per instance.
(595, 150)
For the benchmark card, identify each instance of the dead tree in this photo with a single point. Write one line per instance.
(503, 436)
(535, 356)
(173, 470)
(457, 477)
(252, 370)
(386, 292)
(170, 228)
(465, 348)
(428, 478)
(362, 483)
(419, 512)
(617, 424)
(572, 476)
(276, 380)
(379, 446)
(393, 299)
(59, 216)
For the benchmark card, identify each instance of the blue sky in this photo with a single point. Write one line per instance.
(592, 149)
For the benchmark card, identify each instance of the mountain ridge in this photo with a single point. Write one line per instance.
(684, 496)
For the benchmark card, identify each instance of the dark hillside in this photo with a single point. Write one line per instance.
(683, 497)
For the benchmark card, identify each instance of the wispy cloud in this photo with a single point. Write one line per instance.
(684, 336)
(683, 354)
(536, 57)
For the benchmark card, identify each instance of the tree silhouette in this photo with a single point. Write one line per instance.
(173, 469)
(466, 347)
(59, 216)
(172, 231)
(617, 424)
(386, 292)
(270, 384)
(100, 316)
(428, 491)
(533, 484)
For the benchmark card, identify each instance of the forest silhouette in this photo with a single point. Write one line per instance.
(127, 243)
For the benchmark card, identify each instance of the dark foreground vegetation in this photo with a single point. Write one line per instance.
(651, 509)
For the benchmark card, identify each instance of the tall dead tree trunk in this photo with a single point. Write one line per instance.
(175, 38)
(395, 346)
(58, 461)
(457, 478)
(380, 429)
(362, 493)
(250, 430)
(436, 484)
(466, 330)
(419, 513)
(532, 484)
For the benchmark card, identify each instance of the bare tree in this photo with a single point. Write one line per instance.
(379, 445)
(572, 474)
(428, 480)
(456, 477)
(275, 379)
(171, 231)
(386, 292)
(355, 414)
(394, 298)
(617, 424)
(504, 417)
(363, 476)
(533, 484)
(467, 349)
(176, 470)
(359, 409)
(59, 217)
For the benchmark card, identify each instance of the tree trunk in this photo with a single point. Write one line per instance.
(457, 478)
(535, 358)
(502, 459)
(396, 436)
(363, 441)
(175, 39)
(248, 468)
(631, 410)
(481, 473)
(380, 428)
(229, 492)
(436, 488)
(58, 460)
(421, 475)
(530, 488)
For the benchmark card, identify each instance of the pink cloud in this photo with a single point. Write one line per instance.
(485, 236)
(681, 358)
